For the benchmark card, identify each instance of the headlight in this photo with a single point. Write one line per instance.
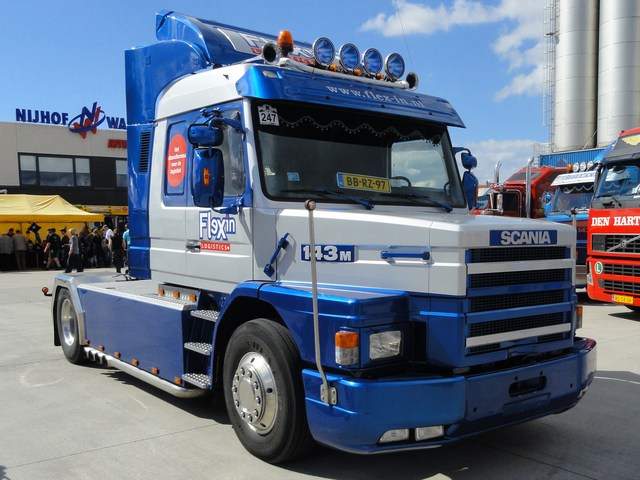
(385, 344)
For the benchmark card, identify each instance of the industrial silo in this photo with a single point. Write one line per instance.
(619, 68)
(576, 71)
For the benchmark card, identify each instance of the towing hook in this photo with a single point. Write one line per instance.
(45, 292)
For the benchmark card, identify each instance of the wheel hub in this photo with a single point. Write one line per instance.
(67, 322)
(254, 392)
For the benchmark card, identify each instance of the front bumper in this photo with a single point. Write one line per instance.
(464, 406)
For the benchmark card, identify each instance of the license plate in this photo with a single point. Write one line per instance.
(363, 182)
(627, 300)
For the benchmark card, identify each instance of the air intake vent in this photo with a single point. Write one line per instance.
(145, 148)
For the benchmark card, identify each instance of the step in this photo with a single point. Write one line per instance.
(199, 347)
(200, 380)
(211, 315)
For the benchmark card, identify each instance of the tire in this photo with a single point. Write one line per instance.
(263, 392)
(67, 324)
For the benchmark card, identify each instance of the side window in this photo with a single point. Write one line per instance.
(233, 154)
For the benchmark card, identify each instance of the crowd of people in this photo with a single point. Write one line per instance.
(69, 250)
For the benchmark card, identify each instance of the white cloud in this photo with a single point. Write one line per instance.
(519, 43)
(513, 154)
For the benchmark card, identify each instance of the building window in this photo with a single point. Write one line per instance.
(50, 171)
(83, 172)
(56, 171)
(121, 173)
(28, 170)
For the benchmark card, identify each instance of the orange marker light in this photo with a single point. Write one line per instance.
(285, 42)
(176, 294)
(155, 370)
(135, 362)
(347, 350)
(346, 339)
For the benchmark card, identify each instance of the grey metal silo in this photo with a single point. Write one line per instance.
(619, 68)
(576, 70)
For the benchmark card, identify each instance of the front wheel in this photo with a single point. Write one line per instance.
(68, 330)
(263, 391)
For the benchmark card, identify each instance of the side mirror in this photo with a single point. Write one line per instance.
(208, 177)
(205, 135)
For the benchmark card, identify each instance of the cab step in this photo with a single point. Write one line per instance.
(199, 380)
(199, 347)
(210, 315)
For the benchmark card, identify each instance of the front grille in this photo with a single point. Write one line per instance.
(619, 286)
(617, 269)
(514, 324)
(629, 244)
(517, 254)
(501, 302)
(515, 278)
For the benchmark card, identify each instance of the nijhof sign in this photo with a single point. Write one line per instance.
(88, 120)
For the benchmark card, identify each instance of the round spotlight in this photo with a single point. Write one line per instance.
(323, 51)
(349, 57)
(394, 66)
(583, 166)
(372, 61)
(412, 80)
(270, 52)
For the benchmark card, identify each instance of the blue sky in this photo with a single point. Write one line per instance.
(485, 56)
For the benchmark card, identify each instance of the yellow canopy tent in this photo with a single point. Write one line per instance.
(47, 211)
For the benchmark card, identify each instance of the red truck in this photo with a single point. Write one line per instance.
(518, 197)
(613, 245)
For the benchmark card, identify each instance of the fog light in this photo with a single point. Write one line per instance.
(398, 435)
(425, 433)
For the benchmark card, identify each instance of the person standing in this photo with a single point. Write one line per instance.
(63, 253)
(6, 251)
(116, 247)
(51, 248)
(20, 247)
(74, 260)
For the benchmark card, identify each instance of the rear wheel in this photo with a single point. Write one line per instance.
(263, 391)
(68, 331)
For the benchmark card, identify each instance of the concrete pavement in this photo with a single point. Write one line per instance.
(62, 421)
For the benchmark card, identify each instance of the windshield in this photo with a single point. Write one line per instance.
(568, 197)
(333, 155)
(618, 185)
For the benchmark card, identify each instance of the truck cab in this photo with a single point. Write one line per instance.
(517, 198)
(570, 205)
(301, 243)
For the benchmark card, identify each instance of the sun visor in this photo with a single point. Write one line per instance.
(270, 83)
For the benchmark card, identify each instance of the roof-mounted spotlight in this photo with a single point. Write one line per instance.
(372, 61)
(349, 57)
(394, 66)
(323, 51)
(270, 53)
(412, 80)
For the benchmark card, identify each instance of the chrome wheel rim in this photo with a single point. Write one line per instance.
(68, 322)
(254, 393)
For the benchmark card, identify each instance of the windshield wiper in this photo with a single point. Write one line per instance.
(415, 197)
(367, 204)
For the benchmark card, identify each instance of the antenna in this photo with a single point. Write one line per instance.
(404, 35)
